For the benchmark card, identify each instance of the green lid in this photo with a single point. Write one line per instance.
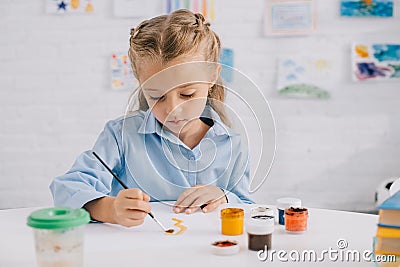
(58, 218)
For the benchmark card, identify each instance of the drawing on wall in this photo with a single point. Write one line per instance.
(121, 73)
(366, 8)
(69, 6)
(226, 59)
(284, 17)
(205, 7)
(375, 61)
(304, 77)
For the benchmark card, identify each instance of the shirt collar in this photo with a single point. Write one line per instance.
(150, 125)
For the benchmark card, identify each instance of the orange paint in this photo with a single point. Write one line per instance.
(362, 51)
(74, 4)
(178, 224)
(296, 219)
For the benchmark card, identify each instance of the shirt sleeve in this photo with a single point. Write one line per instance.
(238, 187)
(88, 179)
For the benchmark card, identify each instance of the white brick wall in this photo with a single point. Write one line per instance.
(55, 99)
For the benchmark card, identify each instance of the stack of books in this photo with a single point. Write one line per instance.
(388, 232)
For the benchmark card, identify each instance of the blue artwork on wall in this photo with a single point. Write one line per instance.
(366, 8)
(226, 59)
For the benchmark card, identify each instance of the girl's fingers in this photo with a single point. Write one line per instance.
(146, 197)
(179, 206)
(211, 206)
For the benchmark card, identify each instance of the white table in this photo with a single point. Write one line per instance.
(146, 245)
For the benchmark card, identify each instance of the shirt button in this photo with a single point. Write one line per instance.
(191, 158)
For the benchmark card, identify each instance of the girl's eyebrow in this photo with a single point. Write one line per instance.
(180, 87)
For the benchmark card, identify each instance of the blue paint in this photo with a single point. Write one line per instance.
(226, 59)
(386, 52)
(281, 217)
(377, 8)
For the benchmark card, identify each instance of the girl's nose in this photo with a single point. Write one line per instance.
(174, 106)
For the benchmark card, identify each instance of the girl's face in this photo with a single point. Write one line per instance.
(176, 93)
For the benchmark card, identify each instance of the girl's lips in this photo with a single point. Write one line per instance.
(176, 121)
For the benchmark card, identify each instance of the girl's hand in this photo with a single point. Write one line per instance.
(130, 207)
(191, 199)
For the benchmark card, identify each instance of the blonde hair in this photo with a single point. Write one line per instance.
(164, 38)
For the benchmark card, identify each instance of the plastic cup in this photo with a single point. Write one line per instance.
(59, 234)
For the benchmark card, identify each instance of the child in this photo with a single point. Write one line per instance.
(176, 146)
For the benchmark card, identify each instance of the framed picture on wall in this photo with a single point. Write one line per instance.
(289, 17)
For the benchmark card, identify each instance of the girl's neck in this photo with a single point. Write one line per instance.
(195, 134)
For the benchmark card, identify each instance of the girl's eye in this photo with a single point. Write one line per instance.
(187, 95)
(156, 98)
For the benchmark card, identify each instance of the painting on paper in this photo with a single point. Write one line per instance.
(69, 6)
(122, 76)
(226, 59)
(304, 77)
(366, 8)
(204, 7)
(289, 17)
(376, 61)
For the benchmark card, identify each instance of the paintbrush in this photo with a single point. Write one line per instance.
(126, 187)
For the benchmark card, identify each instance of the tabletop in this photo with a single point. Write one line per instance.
(334, 237)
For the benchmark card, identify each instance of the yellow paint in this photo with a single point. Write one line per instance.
(89, 8)
(232, 221)
(212, 10)
(321, 64)
(362, 51)
(178, 224)
(75, 4)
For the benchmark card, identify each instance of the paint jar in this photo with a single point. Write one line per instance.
(259, 229)
(232, 221)
(225, 247)
(285, 203)
(58, 234)
(296, 220)
(262, 210)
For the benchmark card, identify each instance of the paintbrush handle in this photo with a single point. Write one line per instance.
(108, 168)
(126, 187)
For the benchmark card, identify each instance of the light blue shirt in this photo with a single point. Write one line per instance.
(146, 156)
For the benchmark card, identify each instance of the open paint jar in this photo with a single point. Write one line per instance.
(284, 203)
(296, 220)
(225, 247)
(259, 229)
(232, 221)
(263, 211)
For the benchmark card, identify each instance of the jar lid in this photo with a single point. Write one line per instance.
(225, 247)
(58, 218)
(287, 202)
(260, 225)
